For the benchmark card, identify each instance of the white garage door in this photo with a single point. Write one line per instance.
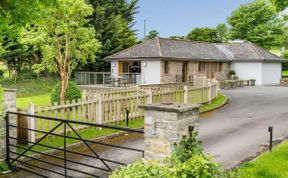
(248, 70)
(271, 73)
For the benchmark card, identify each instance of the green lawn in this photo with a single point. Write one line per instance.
(268, 165)
(38, 100)
(218, 101)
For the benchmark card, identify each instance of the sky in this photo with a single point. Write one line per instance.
(179, 17)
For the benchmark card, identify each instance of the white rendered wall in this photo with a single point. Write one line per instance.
(271, 73)
(151, 72)
(114, 68)
(248, 70)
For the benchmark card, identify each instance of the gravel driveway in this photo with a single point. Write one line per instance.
(240, 130)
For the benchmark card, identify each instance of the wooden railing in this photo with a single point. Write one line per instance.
(111, 107)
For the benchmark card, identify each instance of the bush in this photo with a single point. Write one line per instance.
(232, 72)
(187, 160)
(73, 92)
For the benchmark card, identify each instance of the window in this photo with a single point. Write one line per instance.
(166, 67)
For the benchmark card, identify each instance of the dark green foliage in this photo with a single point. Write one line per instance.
(186, 149)
(113, 21)
(3, 167)
(73, 92)
(285, 64)
(232, 72)
(257, 22)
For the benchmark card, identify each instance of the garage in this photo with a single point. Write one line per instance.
(265, 73)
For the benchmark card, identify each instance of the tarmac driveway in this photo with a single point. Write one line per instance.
(240, 130)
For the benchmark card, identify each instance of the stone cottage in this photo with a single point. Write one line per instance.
(162, 60)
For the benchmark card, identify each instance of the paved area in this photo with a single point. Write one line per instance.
(240, 130)
(132, 140)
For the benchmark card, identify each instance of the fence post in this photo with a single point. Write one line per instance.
(150, 97)
(31, 123)
(99, 119)
(185, 94)
(209, 92)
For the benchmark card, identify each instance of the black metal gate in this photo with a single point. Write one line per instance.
(63, 162)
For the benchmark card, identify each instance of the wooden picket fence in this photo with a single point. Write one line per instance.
(111, 107)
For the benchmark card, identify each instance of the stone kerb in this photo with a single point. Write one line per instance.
(166, 124)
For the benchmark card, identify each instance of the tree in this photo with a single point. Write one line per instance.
(175, 37)
(280, 4)
(64, 38)
(222, 33)
(113, 21)
(203, 34)
(257, 22)
(152, 34)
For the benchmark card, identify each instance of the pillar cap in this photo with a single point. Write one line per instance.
(9, 90)
(171, 107)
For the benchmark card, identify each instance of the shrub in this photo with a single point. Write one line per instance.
(73, 92)
(187, 160)
(232, 72)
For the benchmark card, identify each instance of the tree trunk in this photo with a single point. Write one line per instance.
(64, 83)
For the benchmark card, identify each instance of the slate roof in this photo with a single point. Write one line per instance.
(170, 49)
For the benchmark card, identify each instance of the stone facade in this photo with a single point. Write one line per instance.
(175, 69)
(166, 124)
(9, 105)
(223, 75)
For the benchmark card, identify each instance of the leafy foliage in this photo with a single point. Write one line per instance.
(73, 92)
(203, 34)
(222, 32)
(280, 4)
(187, 160)
(152, 34)
(257, 22)
(64, 38)
(1, 100)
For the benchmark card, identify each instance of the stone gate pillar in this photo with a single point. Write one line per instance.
(166, 124)
(9, 104)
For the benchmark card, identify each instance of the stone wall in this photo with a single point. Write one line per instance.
(284, 82)
(174, 69)
(166, 124)
(223, 75)
(9, 105)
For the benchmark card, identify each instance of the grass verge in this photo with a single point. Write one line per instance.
(88, 133)
(217, 102)
(268, 165)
